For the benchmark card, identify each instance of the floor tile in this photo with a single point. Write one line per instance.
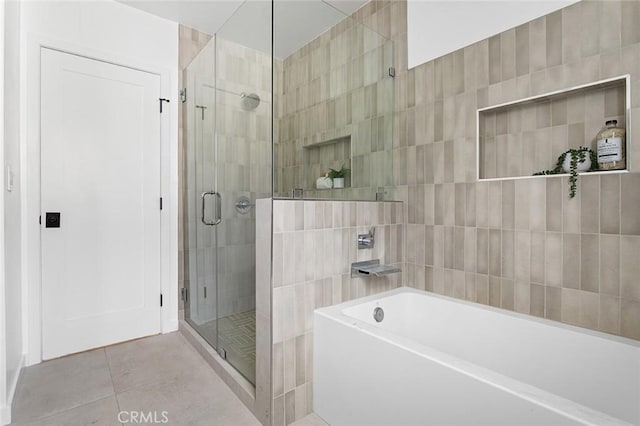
(103, 412)
(150, 360)
(197, 399)
(61, 384)
(152, 375)
(311, 420)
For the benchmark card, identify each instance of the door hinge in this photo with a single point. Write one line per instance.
(40, 219)
(223, 353)
(184, 294)
(160, 203)
(162, 100)
(183, 95)
(205, 292)
(392, 72)
(160, 299)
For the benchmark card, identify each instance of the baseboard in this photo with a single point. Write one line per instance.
(5, 410)
(5, 415)
(13, 386)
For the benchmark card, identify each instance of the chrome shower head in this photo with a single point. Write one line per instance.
(250, 101)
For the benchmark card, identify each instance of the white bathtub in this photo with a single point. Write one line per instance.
(435, 360)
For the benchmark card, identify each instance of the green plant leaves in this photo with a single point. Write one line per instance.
(333, 173)
(578, 155)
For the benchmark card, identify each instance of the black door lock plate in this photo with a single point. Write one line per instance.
(52, 220)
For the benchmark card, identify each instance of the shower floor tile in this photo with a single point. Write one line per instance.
(237, 336)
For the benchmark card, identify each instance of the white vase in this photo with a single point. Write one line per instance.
(338, 182)
(582, 166)
(324, 183)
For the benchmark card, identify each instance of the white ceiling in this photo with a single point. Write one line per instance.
(297, 22)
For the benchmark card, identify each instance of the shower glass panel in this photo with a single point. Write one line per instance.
(201, 304)
(243, 140)
(334, 98)
(229, 151)
(295, 83)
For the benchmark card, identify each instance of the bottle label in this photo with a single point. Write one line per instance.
(609, 149)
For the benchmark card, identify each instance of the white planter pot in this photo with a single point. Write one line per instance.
(338, 182)
(583, 166)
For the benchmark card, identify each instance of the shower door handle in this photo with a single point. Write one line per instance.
(218, 208)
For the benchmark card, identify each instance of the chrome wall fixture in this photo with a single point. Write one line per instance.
(243, 205)
(370, 268)
(367, 240)
(250, 101)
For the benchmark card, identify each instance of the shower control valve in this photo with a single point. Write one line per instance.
(367, 240)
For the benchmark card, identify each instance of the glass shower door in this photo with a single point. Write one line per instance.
(229, 166)
(203, 201)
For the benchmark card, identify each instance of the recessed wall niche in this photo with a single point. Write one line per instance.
(320, 157)
(520, 138)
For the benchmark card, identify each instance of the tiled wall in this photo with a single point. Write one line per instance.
(337, 87)
(521, 245)
(314, 244)
(243, 167)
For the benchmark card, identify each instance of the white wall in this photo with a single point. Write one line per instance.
(435, 28)
(117, 33)
(11, 349)
(5, 412)
(12, 200)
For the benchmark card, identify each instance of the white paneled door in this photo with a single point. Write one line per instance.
(100, 203)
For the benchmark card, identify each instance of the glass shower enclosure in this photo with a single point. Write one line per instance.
(283, 92)
(228, 166)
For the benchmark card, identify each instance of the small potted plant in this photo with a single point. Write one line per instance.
(338, 176)
(573, 161)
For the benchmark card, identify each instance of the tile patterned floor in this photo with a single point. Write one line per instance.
(238, 331)
(151, 375)
(237, 335)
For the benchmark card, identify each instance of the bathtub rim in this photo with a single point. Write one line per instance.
(338, 311)
(553, 402)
